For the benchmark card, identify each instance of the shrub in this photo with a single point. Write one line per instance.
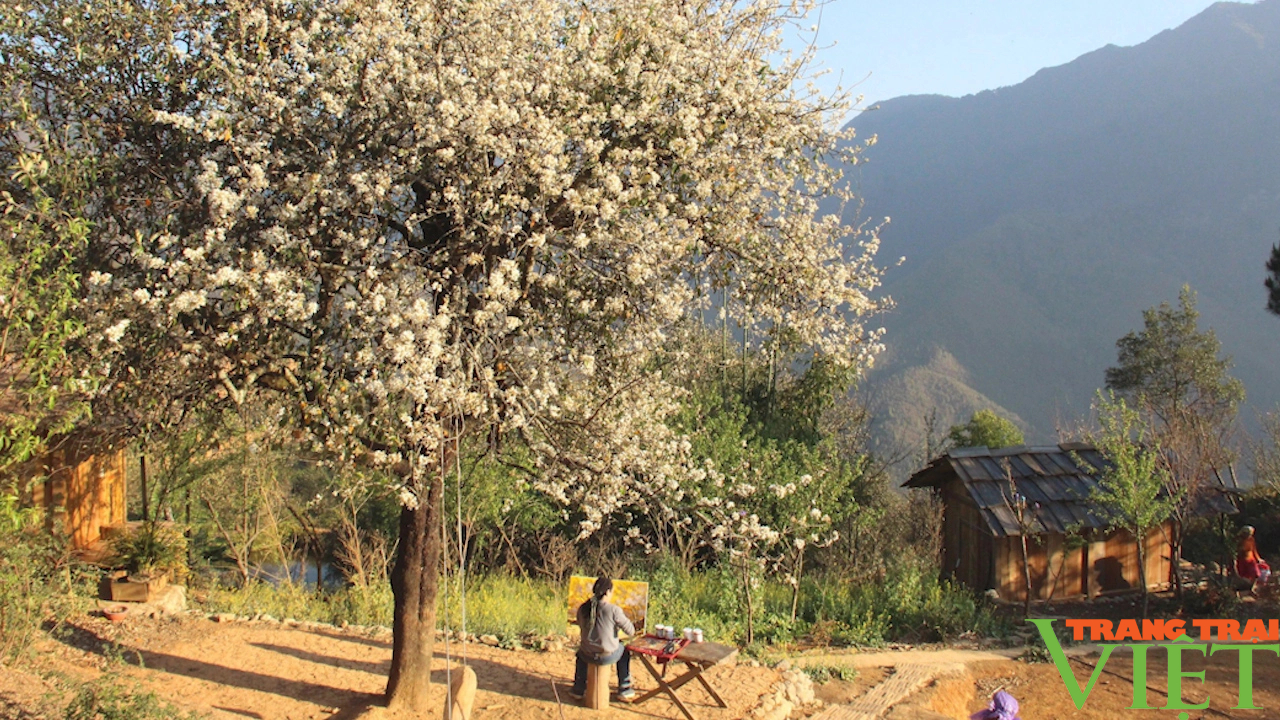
(108, 699)
(505, 606)
(911, 605)
(825, 673)
(37, 576)
(152, 548)
(371, 605)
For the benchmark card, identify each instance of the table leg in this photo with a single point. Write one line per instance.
(654, 673)
(665, 687)
(711, 691)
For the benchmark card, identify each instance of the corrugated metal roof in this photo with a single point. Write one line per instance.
(1056, 481)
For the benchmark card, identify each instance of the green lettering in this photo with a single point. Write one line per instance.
(1078, 695)
(1246, 670)
(1140, 678)
(1176, 673)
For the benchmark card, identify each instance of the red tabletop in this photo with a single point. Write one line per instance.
(661, 649)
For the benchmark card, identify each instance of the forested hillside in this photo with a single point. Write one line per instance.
(1039, 220)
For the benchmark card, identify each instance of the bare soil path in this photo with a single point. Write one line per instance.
(272, 671)
(962, 681)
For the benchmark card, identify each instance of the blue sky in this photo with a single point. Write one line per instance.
(887, 48)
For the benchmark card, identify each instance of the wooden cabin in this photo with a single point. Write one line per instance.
(1070, 552)
(81, 492)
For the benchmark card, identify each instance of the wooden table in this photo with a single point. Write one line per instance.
(697, 658)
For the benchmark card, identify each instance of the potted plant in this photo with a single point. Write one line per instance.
(150, 555)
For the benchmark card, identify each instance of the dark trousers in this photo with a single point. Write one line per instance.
(621, 656)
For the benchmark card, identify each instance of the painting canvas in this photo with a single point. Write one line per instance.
(630, 595)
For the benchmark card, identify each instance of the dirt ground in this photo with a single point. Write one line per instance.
(272, 671)
(268, 670)
(1040, 691)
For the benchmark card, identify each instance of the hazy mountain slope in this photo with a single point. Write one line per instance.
(900, 404)
(1039, 220)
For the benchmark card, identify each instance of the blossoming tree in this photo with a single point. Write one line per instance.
(416, 220)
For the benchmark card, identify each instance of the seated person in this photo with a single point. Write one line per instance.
(1249, 564)
(600, 621)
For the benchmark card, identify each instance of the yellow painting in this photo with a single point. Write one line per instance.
(630, 595)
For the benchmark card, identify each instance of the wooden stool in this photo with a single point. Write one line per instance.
(598, 686)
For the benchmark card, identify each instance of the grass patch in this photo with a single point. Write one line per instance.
(356, 606)
(825, 673)
(505, 606)
(912, 606)
(109, 699)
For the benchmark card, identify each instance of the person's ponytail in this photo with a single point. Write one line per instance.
(601, 588)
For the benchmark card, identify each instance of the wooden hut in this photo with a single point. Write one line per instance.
(81, 491)
(1070, 551)
(80, 484)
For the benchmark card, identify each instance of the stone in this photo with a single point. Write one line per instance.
(490, 640)
(463, 692)
(782, 666)
(224, 617)
(172, 600)
(781, 711)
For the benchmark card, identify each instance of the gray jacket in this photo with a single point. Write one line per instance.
(602, 638)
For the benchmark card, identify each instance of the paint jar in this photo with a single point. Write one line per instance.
(697, 635)
(687, 633)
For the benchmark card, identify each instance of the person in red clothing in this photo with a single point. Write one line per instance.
(1249, 564)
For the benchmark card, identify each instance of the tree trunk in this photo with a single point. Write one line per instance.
(1175, 556)
(1142, 571)
(1026, 577)
(795, 589)
(142, 470)
(414, 581)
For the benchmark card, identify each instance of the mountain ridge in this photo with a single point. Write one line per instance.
(1038, 220)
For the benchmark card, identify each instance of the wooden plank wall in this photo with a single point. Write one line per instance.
(86, 494)
(1120, 546)
(95, 498)
(1057, 572)
(973, 556)
(1109, 565)
(967, 544)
